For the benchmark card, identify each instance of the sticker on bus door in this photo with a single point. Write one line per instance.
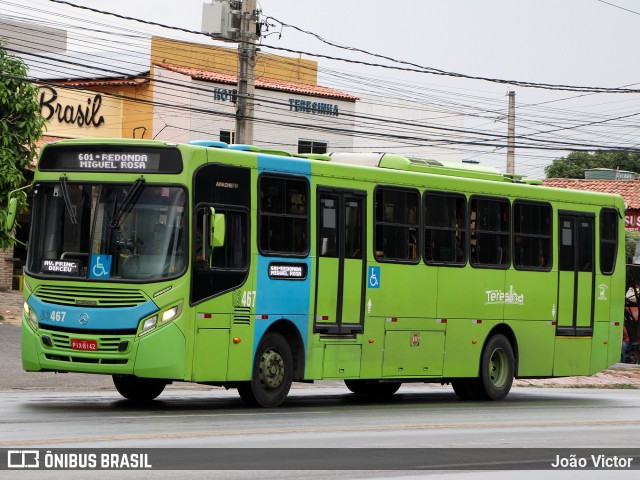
(374, 277)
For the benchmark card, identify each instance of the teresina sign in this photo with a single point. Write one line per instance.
(317, 108)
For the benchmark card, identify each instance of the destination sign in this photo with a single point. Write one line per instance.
(67, 267)
(289, 271)
(110, 158)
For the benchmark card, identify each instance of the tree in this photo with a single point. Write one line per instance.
(574, 164)
(20, 128)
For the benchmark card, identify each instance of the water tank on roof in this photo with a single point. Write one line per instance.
(608, 174)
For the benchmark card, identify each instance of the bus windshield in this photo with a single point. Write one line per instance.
(108, 231)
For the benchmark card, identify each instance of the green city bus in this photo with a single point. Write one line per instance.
(234, 266)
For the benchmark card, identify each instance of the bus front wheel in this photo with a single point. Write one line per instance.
(272, 373)
(138, 389)
(372, 387)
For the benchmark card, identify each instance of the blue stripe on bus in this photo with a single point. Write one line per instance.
(117, 318)
(278, 298)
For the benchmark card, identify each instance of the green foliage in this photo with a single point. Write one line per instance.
(21, 126)
(574, 164)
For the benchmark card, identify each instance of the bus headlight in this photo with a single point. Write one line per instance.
(31, 315)
(171, 313)
(160, 318)
(149, 324)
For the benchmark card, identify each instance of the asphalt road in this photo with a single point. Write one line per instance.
(50, 411)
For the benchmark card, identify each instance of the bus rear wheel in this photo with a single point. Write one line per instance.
(138, 389)
(372, 387)
(497, 368)
(272, 373)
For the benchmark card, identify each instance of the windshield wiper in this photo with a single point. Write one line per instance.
(128, 201)
(67, 199)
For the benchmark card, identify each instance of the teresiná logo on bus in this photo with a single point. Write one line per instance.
(496, 297)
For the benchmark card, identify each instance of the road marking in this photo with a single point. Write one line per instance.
(336, 429)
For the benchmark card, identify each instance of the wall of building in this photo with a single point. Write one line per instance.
(225, 59)
(406, 119)
(78, 111)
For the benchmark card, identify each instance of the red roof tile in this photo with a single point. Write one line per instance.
(261, 82)
(103, 82)
(628, 189)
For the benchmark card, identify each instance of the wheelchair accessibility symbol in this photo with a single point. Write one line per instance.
(100, 266)
(374, 277)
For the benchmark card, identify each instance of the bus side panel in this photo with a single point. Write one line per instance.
(572, 356)
(616, 295)
(531, 298)
(373, 347)
(463, 346)
(600, 347)
(535, 347)
(471, 293)
(279, 299)
(210, 359)
(408, 291)
(161, 354)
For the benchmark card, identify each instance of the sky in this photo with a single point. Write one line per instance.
(568, 42)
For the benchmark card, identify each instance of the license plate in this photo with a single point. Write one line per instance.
(78, 344)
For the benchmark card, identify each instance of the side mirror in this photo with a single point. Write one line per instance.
(218, 228)
(12, 210)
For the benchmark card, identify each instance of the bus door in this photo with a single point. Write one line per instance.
(340, 261)
(576, 270)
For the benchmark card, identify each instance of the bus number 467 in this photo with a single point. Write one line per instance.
(249, 298)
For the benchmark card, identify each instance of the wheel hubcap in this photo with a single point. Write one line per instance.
(271, 369)
(498, 367)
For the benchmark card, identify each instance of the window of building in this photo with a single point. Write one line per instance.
(608, 240)
(283, 215)
(445, 232)
(228, 136)
(489, 232)
(396, 234)
(532, 236)
(312, 146)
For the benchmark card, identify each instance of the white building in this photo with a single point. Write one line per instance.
(194, 104)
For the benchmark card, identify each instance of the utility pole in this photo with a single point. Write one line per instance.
(511, 134)
(246, 72)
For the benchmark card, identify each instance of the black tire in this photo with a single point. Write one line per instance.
(138, 389)
(372, 388)
(462, 388)
(272, 373)
(497, 368)
(633, 356)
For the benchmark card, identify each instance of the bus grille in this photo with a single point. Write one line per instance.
(90, 296)
(105, 344)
